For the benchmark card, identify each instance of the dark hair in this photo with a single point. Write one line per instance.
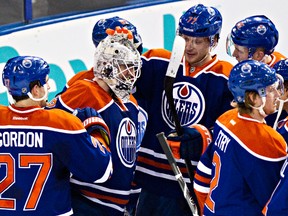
(24, 97)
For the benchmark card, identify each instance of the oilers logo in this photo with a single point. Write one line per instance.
(126, 142)
(189, 103)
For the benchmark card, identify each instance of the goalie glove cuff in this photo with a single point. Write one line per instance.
(96, 123)
(93, 121)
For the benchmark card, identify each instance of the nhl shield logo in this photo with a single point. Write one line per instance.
(189, 103)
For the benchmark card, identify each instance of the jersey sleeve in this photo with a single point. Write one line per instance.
(89, 75)
(79, 95)
(277, 204)
(202, 177)
(78, 150)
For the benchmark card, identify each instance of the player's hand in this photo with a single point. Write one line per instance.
(93, 122)
(120, 33)
(191, 144)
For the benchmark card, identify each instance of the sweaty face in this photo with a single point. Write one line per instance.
(197, 50)
(240, 53)
(272, 95)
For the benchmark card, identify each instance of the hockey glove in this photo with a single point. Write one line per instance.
(191, 144)
(93, 122)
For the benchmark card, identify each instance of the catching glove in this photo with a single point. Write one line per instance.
(191, 144)
(93, 122)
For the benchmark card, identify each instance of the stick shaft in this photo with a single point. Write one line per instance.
(163, 142)
(171, 73)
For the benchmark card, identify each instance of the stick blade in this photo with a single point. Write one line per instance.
(176, 56)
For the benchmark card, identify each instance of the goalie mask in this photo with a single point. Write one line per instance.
(117, 62)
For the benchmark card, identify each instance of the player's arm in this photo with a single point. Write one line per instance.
(203, 177)
(95, 125)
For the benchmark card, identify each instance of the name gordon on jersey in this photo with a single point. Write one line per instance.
(21, 139)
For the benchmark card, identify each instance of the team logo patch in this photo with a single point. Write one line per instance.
(27, 63)
(261, 29)
(52, 103)
(211, 11)
(240, 24)
(101, 22)
(126, 142)
(189, 102)
(246, 68)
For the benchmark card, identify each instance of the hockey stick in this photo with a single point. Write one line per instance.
(173, 66)
(175, 61)
(163, 142)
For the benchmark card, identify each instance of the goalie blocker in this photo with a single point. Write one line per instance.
(191, 144)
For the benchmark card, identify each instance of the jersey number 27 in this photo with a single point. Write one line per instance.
(44, 161)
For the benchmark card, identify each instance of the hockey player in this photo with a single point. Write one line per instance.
(281, 68)
(99, 33)
(254, 37)
(277, 204)
(200, 95)
(240, 168)
(40, 148)
(116, 67)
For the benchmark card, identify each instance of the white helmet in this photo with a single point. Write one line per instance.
(117, 62)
